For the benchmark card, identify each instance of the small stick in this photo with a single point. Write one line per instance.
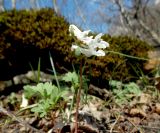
(134, 126)
(111, 130)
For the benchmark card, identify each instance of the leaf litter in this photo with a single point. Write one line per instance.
(137, 113)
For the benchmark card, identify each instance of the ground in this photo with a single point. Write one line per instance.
(103, 112)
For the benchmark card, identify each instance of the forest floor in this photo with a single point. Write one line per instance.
(103, 111)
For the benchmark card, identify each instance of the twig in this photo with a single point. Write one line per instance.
(79, 11)
(20, 121)
(156, 128)
(135, 126)
(111, 130)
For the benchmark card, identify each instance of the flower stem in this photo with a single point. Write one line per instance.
(78, 99)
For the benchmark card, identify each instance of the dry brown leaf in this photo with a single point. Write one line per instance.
(137, 112)
(145, 108)
(92, 108)
(154, 60)
(135, 120)
(145, 98)
(152, 63)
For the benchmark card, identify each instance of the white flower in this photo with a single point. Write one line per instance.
(97, 42)
(91, 46)
(24, 102)
(87, 51)
(79, 34)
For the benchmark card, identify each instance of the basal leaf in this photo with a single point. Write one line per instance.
(71, 77)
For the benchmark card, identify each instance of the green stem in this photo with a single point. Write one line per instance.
(129, 56)
(54, 70)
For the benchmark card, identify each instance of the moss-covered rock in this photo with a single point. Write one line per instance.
(27, 35)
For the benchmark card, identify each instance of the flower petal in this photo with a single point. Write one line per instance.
(78, 33)
(87, 40)
(73, 47)
(102, 44)
(85, 33)
(99, 53)
(87, 52)
(73, 29)
(98, 37)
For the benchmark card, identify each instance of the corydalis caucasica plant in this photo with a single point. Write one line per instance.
(90, 46)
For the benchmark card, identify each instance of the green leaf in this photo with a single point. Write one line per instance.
(71, 77)
(116, 84)
(49, 95)
(29, 91)
(133, 88)
(122, 91)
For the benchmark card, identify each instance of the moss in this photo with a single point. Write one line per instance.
(115, 66)
(27, 35)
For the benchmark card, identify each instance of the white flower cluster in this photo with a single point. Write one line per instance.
(92, 46)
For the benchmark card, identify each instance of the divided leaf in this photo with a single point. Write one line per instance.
(71, 77)
(48, 96)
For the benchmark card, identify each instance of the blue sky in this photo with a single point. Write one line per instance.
(84, 18)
